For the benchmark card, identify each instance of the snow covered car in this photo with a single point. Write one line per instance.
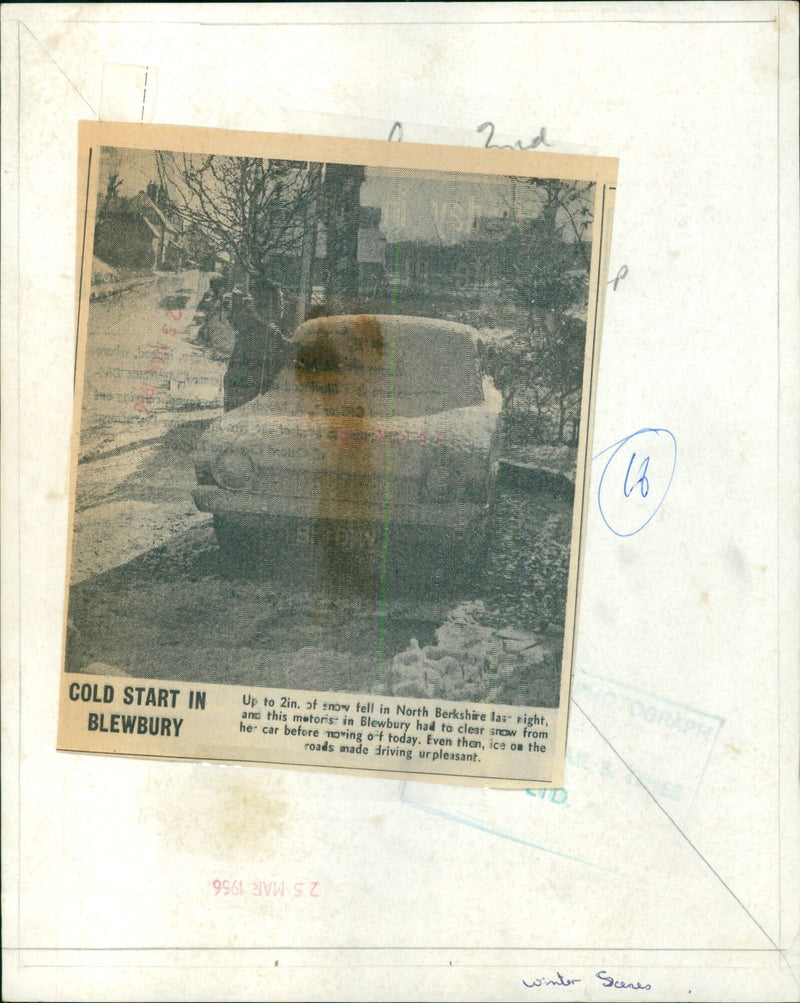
(377, 430)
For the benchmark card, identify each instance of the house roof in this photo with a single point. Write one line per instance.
(139, 205)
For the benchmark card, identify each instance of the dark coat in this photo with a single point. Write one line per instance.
(257, 356)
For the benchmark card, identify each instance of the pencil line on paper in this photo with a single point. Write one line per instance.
(144, 91)
(474, 823)
(52, 60)
(425, 24)
(19, 494)
(674, 824)
(406, 947)
(778, 468)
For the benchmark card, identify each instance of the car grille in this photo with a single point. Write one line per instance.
(334, 486)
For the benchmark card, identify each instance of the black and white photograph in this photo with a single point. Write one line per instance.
(329, 427)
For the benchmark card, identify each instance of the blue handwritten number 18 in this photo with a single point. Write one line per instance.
(636, 478)
(642, 481)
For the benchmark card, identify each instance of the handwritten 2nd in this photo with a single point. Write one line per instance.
(396, 136)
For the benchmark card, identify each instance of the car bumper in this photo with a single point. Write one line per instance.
(252, 509)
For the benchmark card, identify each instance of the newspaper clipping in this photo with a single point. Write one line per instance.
(330, 453)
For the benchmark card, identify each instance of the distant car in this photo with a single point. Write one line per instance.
(377, 431)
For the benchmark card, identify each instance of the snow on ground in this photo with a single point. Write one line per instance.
(102, 273)
(472, 661)
(495, 334)
(134, 527)
(177, 612)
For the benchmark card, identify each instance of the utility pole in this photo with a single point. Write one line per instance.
(342, 195)
(308, 248)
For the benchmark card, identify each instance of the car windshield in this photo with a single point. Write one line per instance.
(406, 366)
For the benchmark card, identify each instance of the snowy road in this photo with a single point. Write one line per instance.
(148, 394)
(142, 338)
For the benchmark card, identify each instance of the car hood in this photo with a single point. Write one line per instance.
(272, 429)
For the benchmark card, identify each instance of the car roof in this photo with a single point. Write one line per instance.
(397, 324)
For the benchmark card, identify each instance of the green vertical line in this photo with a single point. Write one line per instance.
(388, 466)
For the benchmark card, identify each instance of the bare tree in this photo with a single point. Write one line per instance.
(548, 257)
(548, 254)
(247, 206)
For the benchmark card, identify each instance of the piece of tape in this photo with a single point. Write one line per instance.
(128, 93)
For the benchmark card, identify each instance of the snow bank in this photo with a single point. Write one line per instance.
(468, 662)
(102, 273)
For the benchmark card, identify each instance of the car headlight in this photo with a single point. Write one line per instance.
(233, 470)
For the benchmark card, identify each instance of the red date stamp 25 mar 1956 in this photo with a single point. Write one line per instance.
(266, 889)
(159, 357)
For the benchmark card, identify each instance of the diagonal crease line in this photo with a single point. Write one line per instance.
(476, 823)
(789, 966)
(674, 824)
(63, 74)
(83, 261)
(480, 826)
